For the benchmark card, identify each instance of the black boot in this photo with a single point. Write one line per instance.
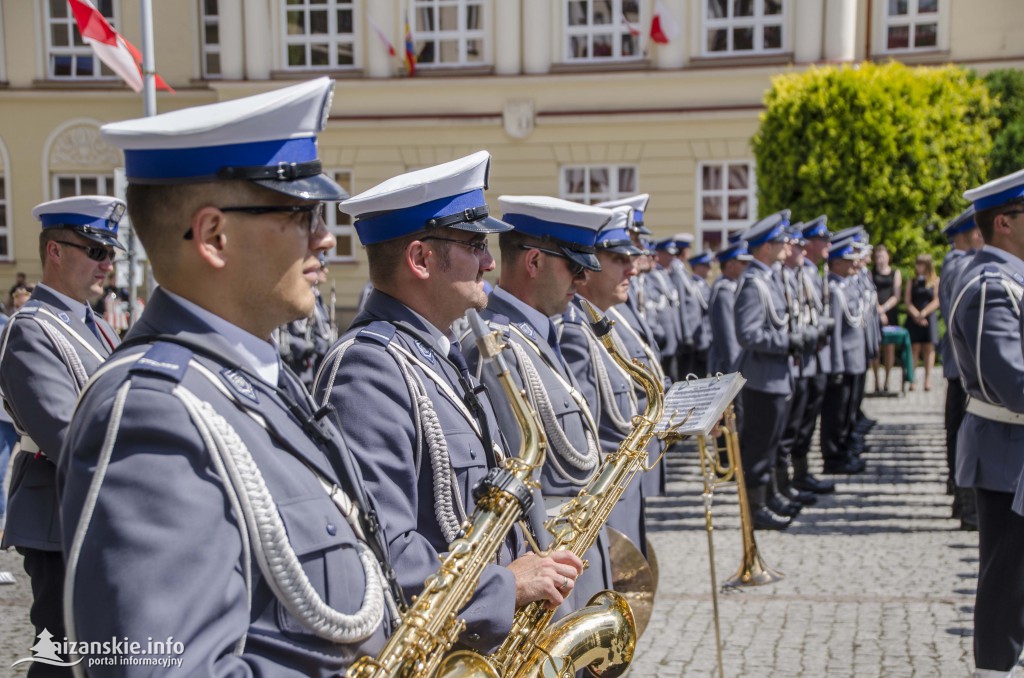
(778, 503)
(787, 490)
(760, 516)
(968, 509)
(803, 480)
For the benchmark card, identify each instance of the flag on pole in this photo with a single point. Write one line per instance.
(633, 30)
(664, 28)
(410, 49)
(383, 37)
(110, 46)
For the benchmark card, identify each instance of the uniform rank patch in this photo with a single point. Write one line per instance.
(238, 382)
(64, 316)
(528, 330)
(425, 351)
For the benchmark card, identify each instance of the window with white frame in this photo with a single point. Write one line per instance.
(340, 224)
(449, 32)
(319, 34)
(738, 27)
(590, 184)
(68, 57)
(209, 30)
(70, 185)
(5, 229)
(911, 25)
(600, 30)
(726, 200)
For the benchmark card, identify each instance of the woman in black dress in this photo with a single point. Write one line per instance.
(921, 298)
(889, 286)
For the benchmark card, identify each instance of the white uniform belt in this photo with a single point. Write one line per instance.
(994, 412)
(29, 445)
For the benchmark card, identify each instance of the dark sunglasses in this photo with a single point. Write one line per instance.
(94, 252)
(478, 246)
(575, 268)
(315, 213)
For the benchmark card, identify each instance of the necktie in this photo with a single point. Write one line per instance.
(553, 343)
(470, 399)
(459, 360)
(90, 322)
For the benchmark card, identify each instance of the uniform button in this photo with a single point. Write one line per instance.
(565, 403)
(473, 636)
(331, 529)
(472, 453)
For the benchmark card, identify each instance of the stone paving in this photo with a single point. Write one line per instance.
(878, 579)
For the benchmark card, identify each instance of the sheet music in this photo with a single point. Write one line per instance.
(707, 398)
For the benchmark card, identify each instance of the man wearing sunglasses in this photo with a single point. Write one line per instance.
(549, 252)
(50, 348)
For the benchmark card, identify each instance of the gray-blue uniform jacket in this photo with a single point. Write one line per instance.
(564, 472)
(952, 264)
(872, 326)
(703, 335)
(724, 352)
(848, 353)
(986, 332)
(613, 403)
(689, 308)
(363, 378)
(663, 310)
(800, 298)
(40, 386)
(762, 332)
(165, 550)
(815, 285)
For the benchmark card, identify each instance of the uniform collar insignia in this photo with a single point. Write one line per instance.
(239, 383)
(425, 351)
(527, 329)
(63, 316)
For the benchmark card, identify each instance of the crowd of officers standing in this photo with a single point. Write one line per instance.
(188, 483)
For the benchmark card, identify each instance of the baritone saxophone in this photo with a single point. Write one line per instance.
(430, 627)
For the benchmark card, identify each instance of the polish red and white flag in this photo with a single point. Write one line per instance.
(664, 28)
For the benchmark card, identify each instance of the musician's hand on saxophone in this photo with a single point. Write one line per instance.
(547, 578)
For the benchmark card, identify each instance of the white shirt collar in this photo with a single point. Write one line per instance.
(77, 308)
(540, 322)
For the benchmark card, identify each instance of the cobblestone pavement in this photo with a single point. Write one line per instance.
(878, 579)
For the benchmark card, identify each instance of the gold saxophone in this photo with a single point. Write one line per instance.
(430, 626)
(602, 635)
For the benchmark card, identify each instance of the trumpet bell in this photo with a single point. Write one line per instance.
(633, 577)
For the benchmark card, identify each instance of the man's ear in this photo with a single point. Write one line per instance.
(209, 236)
(417, 258)
(531, 259)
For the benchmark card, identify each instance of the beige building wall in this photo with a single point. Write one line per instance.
(666, 113)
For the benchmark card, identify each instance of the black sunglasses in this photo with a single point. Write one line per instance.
(575, 267)
(317, 213)
(94, 252)
(479, 246)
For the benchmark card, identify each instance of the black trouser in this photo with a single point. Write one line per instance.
(857, 382)
(815, 400)
(684, 362)
(791, 431)
(45, 570)
(999, 605)
(956, 404)
(835, 418)
(764, 417)
(699, 365)
(668, 366)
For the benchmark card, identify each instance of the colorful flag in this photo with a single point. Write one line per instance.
(110, 46)
(383, 37)
(664, 28)
(410, 50)
(633, 30)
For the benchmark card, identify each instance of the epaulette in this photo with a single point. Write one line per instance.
(379, 332)
(164, 360)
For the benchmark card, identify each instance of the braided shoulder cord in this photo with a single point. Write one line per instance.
(851, 319)
(605, 391)
(770, 313)
(652, 359)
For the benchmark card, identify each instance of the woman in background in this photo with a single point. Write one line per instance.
(889, 285)
(921, 298)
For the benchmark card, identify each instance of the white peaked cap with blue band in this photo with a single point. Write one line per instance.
(997, 192)
(682, 240)
(638, 203)
(615, 237)
(770, 229)
(570, 225)
(450, 195)
(845, 248)
(269, 139)
(736, 250)
(92, 216)
(961, 223)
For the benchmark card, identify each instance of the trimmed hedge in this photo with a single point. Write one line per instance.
(1007, 86)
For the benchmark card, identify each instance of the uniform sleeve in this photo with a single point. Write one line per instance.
(721, 315)
(836, 343)
(161, 553)
(375, 411)
(750, 324)
(576, 352)
(38, 386)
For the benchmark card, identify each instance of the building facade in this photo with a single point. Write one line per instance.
(573, 98)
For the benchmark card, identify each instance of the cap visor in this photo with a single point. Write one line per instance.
(588, 261)
(641, 229)
(105, 240)
(316, 187)
(630, 249)
(485, 225)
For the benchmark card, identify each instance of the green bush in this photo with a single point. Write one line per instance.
(887, 146)
(1007, 87)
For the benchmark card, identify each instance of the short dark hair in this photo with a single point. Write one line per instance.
(48, 235)
(985, 219)
(385, 258)
(509, 244)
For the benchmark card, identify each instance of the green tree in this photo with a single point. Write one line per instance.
(1007, 86)
(887, 146)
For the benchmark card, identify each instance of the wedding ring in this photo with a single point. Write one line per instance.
(565, 583)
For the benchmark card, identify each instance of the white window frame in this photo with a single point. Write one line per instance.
(207, 48)
(614, 190)
(75, 51)
(461, 35)
(104, 183)
(340, 224)
(5, 211)
(725, 225)
(911, 19)
(618, 28)
(332, 38)
(758, 22)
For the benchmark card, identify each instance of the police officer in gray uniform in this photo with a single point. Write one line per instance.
(543, 259)
(762, 329)
(724, 352)
(47, 353)
(700, 265)
(427, 433)
(966, 240)
(985, 328)
(689, 306)
(206, 498)
(613, 397)
(667, 318)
